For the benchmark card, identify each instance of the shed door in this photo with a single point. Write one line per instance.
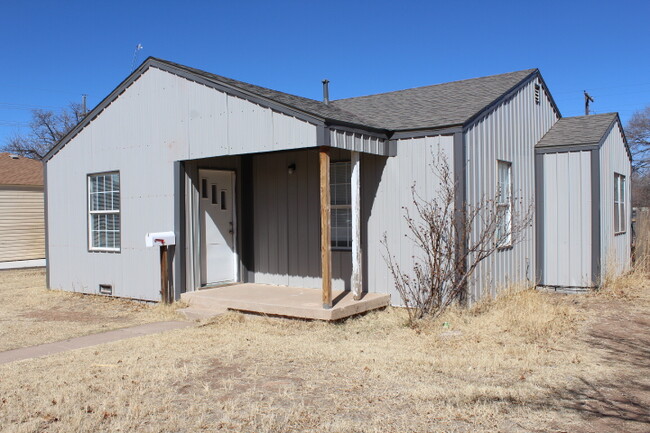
(217, 217)
(567, 219)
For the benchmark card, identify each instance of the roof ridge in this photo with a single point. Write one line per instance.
(529, 71)
(610, 113)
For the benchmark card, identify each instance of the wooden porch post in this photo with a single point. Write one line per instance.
(357, 270)
(325, 230)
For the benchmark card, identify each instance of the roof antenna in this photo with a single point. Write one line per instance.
(135, 56)
(326, 91)
(588, 98)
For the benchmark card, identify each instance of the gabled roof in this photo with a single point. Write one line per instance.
(306, 105)
(579, 130)
(430, 107)
(436, 106)
(17, 170)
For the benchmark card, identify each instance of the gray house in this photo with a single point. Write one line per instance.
(264, 187)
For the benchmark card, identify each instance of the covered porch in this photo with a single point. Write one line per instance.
(294, 247)
(283, 301)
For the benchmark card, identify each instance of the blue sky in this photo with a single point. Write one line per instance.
(52, 52)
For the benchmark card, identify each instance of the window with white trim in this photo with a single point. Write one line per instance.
(620, 216)
(341, 204)
(104, 212)
(504, 203)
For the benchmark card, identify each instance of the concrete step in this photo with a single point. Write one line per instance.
(201, 313)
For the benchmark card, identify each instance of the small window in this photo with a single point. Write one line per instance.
(504, 204)
(341, 204)
(537, 91)
(223, 200)
(620, 215)
(104, 212)
(214, 194)
(204, 188)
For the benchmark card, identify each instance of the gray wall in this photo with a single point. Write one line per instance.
(615, 249)
(567, 217)
(386, 193)
(287, 222)
(159, 119)
(509, 132)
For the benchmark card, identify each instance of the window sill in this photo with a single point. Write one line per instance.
(104, 250)
(620, 233)
(343, 249)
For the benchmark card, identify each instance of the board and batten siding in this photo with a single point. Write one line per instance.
(22, 223)
(509, 133)
(287, 222)
(359, 142)
(159, 119)
(615, 248)
(567, 217)
(386, 194)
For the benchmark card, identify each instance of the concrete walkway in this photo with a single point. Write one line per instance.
(88, 341)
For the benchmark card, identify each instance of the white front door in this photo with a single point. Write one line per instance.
(217, 215)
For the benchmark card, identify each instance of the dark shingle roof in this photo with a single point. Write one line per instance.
(418, 108)
(306, 105)
(20, 170)
(580, 130)
(433, 106)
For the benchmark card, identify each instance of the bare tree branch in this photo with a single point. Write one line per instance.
(46, 129)
(637, 132)
(442, 270)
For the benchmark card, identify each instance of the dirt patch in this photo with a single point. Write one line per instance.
(620, 334)
(31, 314)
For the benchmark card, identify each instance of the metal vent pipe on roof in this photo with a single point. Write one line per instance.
(326, 91)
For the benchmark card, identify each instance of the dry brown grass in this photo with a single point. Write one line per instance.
(31, 314)
(497, 367)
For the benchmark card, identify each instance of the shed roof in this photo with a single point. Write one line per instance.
(579, 130)
(20, 171)
(435, 106)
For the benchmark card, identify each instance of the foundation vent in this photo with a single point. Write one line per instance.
(106, 289)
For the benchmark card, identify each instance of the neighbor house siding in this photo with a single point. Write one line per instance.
(615, 249)
(386, 184)
(162, 118)
(567, 217)
(22, 232)
(509, 132)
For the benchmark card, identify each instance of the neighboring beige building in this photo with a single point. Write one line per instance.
(22, 220)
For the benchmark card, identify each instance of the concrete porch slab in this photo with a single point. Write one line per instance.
(284, 301)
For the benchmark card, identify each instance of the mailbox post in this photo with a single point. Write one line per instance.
(163, 240)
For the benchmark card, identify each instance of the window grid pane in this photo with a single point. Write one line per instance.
(504, 203)
(341, 204)
(104, 208)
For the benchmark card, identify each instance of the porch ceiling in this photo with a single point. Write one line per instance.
(284, 301)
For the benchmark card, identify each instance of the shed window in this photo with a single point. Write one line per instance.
(341, 204)
(104, 212)
(620, 218)
(504, 204)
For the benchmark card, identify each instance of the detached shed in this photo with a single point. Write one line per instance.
(583, 167)
(22, 221)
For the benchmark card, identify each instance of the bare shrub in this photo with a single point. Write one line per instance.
(452, 242)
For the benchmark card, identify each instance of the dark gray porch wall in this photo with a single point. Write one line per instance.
(278, 219)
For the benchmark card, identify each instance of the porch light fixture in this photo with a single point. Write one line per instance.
(291, 168)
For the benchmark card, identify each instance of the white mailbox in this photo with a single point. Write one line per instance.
(160, 239)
